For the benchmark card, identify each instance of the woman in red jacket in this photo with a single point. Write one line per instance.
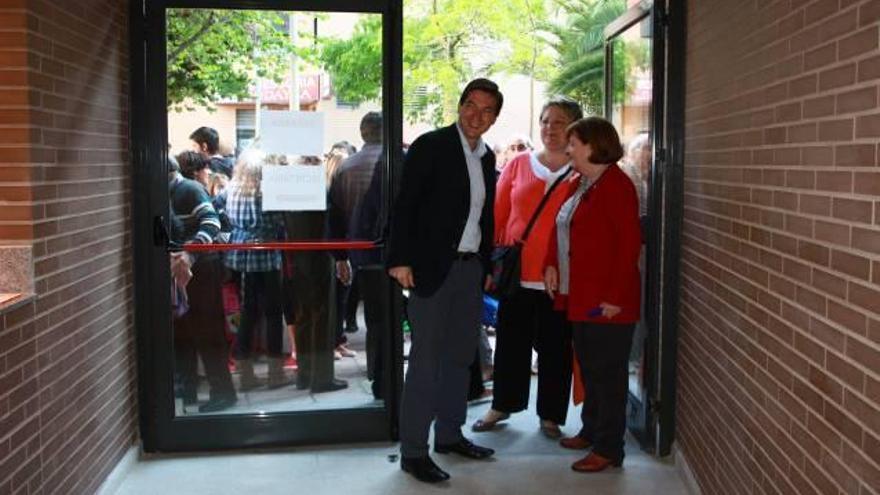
(591, 271)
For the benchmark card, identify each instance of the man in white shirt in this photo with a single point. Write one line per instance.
(439, 249)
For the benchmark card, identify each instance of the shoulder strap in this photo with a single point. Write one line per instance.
(541, 205)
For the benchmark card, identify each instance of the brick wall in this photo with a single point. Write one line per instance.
(67, 378)
(779, 357)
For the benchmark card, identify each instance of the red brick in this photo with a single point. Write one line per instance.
(811, 299)
(809, 348)
(844, 370)
(869, 69)
(856, 155)
(834, 181)
(865, 297)
(788, 112)
(802, 133)
(826, 384)
(799, 225)
(801, 179)
(841, 422)
(827, 334)
(848, 317)
(829, 283)
(775, 135)
(856, 266)
(836, 130)
(857, 100)
(815, 205)
(785, 200)
(819, 107)
(835, 78)
(832, 232)
(799, 381)
(813, 252)
(820, 57)
(869, 13)
(861, 42)
(817, 155)
(866, 240)
(868, 126)
(787, 156)
(852, 210)
(806, 85)
(819, 10)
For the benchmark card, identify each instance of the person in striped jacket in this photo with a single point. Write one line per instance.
(199, 331)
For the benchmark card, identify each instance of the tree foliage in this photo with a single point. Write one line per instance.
(580, 48)
(218, 54)
(446, 43)
(359, 58)
(215, 54)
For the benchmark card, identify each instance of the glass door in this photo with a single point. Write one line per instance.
(633, 105)
(263, 145)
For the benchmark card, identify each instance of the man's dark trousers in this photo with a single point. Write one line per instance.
(445, 331)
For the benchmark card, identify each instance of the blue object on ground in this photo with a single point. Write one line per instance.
(490, 311)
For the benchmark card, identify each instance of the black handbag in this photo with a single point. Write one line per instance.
(507, 260)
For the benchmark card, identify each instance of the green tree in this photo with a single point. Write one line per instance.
(446, 43)
(217, 54)
(355, 63)
(580, 48)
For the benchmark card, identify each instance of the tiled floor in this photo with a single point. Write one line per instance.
(525, 463)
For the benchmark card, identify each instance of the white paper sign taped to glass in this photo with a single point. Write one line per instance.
(292, 133)
(294, 188)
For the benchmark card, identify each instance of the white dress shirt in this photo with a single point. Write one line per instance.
(471, 237)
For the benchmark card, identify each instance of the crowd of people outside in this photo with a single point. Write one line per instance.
(576, 204)
(217, 198)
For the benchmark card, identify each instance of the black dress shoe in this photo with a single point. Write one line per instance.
(330, 386)
(466, 448)
(218, 404)
(423, 469)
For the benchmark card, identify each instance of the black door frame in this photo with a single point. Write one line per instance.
(652, 419)
(160, 429)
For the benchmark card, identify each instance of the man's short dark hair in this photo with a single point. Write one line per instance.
(571, 108)
(601, 136)
(207, 136)
(482, 84)
(371, 127)
(191, 162)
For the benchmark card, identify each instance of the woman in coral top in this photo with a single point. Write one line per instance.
(592, 273)
(526, 319)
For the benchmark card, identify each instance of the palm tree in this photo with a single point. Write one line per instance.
(580, 48)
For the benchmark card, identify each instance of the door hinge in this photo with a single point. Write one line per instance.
(662, 16)
(660, 155)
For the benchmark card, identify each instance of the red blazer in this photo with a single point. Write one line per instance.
(605, 242)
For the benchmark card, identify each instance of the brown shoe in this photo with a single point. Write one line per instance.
(594, 463)
(575, 443)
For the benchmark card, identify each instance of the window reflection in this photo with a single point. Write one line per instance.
(630, 111)
(273, 330)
